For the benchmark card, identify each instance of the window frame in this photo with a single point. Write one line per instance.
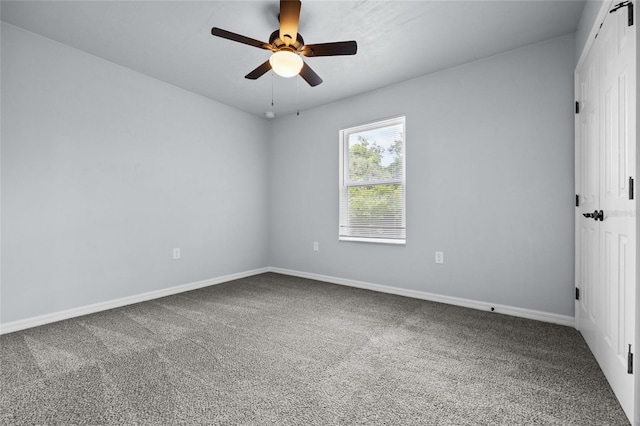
(344, 184)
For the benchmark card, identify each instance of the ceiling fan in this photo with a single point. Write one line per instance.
(287, 45)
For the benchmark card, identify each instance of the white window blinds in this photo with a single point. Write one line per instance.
(372, 182)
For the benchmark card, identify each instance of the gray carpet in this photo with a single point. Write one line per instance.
(279, 350)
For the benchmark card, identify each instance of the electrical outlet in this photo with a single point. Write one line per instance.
(176, 253)
(316, 247)
(439, 257)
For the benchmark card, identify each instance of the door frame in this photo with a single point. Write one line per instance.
(636, 420)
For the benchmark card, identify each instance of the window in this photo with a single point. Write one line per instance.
(372, 182)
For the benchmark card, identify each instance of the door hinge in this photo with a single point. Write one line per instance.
(629, 361)
(577, 200)
(577, 293)
(629, 5)
(630, 188)
(577, 107)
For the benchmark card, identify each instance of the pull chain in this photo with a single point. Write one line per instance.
(298, 95)
(271, 88)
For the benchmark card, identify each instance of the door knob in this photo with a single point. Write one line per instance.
(597, 215)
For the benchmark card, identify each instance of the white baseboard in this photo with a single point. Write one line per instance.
(467, 303)
(117, 303)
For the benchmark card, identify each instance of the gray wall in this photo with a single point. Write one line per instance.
(489, 182)
(105, 170)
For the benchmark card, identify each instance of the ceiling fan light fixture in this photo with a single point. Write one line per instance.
(286, 63)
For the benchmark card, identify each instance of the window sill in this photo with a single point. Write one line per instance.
(392, 241)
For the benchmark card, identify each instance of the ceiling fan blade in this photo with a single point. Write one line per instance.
(240, 38)
(310, 75)
(330, 49)
(259, 72)
(289, 19)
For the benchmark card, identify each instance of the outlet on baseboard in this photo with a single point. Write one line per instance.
(176, 253)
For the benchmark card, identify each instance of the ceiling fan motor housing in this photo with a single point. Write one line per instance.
(275, 41)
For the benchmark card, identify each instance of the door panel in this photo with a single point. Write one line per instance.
(587, 188)
(623, 137)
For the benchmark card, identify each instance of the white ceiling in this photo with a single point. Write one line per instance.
(397, 40)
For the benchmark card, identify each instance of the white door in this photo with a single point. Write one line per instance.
(587, 155)
(605, 163)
